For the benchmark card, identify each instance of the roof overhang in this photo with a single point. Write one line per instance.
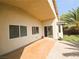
(39, 9)
(61, 22)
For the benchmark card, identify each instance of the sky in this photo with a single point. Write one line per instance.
(65, 5)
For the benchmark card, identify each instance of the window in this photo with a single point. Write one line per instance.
(35, 30)
(49, 30)
(23, 31)
(14, 31)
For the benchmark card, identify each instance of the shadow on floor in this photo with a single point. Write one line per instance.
(13, 55)
(74, 47)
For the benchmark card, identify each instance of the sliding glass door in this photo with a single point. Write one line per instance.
(48, 31)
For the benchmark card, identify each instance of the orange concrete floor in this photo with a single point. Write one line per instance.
(38, 50)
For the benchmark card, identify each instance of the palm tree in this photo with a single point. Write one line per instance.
(72, 17)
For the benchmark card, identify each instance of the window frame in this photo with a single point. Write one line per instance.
(35, 30)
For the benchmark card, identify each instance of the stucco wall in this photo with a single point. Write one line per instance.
(56, 28)
(53, 22)
(10, 15)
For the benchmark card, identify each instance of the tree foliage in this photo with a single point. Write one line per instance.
(71, 17)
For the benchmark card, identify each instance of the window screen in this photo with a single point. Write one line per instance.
(23, 31)
(35, 30)
(14, 31)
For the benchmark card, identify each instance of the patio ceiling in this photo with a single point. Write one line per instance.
(39, 9)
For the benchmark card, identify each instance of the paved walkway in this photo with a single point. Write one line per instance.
(38, 49)
(64, 50)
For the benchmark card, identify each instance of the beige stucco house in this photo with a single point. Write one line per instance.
(24, 21)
